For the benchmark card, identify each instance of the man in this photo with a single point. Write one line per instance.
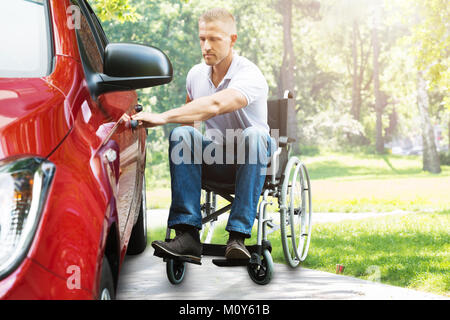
(228, 92)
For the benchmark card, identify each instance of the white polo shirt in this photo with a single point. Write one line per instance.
(244, 76)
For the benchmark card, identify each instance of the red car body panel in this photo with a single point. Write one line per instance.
(90, 195)
(29, 121)
(65, 39)
(32, 281)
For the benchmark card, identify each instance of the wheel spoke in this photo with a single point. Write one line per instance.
(296, 199)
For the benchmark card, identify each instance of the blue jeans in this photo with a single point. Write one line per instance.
(193, 156)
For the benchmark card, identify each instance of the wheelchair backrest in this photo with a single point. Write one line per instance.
(281, 115)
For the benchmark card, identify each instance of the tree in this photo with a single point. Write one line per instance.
(430, 156)
(359, 65)
(431, 40)
(308, 8)
(351, 18)
(287, 69)
(118, 10)
(380, 96)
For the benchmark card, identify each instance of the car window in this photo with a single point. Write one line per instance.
(93, 53)
(25, 39)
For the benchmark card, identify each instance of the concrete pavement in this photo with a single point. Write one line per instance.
(144, 277)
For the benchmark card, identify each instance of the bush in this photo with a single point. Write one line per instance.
(445, 158)
(332, 129)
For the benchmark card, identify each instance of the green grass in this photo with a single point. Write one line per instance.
(354, 166)
(411, 251)
(375, 183)
(358, 182)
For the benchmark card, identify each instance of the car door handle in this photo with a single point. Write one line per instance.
(134, 124)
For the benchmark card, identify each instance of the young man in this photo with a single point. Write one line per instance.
(228, 92)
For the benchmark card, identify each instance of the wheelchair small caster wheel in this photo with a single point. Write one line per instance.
(261, 273)
(175, 271)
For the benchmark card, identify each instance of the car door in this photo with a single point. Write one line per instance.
(113, 129)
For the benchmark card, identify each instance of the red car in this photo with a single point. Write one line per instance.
(71, 165)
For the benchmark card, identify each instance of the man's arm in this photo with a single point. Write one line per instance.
(200, 109)
(197, 124)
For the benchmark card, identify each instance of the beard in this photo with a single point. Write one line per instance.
(213, 59)
(210, 59)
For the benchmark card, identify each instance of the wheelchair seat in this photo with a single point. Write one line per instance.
(227, 188)
(218, 187)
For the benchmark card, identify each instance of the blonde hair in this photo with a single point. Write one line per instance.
(219, 14)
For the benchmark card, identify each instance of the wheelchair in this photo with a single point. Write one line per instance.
(288, 181)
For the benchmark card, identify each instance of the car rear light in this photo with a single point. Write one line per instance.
(24, 185)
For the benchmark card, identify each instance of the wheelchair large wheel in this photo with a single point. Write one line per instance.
(175, 271)
(262, 274)
(295, 212)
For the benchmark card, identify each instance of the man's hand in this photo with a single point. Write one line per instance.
(149, 120)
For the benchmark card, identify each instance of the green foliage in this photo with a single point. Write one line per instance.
(433, 39)
(119, 10)
(445, 158)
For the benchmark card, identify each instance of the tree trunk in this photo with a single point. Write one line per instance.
(379, 142)
(287, 72)
(430, 156)
(356, 88)
(379, 103)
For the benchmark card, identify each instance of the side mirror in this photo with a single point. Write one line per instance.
(133, 66)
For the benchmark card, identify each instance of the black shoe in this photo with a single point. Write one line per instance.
(185, 246)
(236, 249)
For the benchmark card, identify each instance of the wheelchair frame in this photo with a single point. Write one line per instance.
(281, 183)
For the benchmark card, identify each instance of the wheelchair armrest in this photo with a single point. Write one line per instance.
(274, 165)
(284, 141)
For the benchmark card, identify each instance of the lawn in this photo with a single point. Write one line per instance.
(374, 183)
(356, 183)
(411, 251)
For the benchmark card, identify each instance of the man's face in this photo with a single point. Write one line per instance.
(216, 41)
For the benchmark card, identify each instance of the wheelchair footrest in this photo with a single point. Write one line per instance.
(166, 256)
(231, 263)
(218, 250)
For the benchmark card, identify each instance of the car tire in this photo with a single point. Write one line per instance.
(138, 239)
(106, 290)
